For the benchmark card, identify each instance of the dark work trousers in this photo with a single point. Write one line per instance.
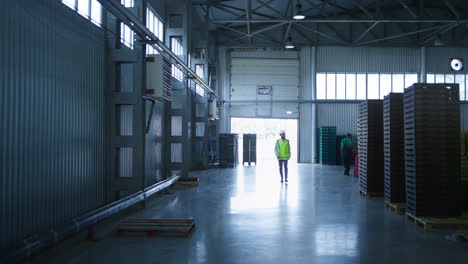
(347, 155)
(285, 163)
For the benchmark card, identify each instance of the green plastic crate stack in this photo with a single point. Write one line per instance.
(327, 145)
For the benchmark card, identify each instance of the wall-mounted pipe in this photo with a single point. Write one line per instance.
(36, 243)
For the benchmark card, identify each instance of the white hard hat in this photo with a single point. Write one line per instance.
(282, 132)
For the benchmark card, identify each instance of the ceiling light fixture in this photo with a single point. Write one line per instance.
(289, 44)
(298, 15)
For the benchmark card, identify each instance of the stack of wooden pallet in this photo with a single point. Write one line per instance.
(432, 159)
(464, 168)
(464, 155)
(370, 144)
(394, 151)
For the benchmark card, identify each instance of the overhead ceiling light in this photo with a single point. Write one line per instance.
(298, 15)
(289, 112)
(289, 44)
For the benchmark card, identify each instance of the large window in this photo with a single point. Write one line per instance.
(126, 34)
(177, 48)
(89, 9)
(461, 79)
(361, 86)
(155, 25)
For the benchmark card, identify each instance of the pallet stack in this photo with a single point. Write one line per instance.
(370, 144)
(432, 147)
(228, 150)
(249, 148)
(394, 148)
(464, 168)
(327, 145)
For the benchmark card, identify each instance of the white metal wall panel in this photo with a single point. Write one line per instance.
(438, 59)
(343, 116)
(306, 116)
(224, 87)
(368, 59)
(264, 110)
(264, 53)
(248, 73)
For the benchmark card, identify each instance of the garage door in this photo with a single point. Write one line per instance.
(265, 80)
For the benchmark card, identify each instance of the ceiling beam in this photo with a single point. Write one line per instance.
(267, 28)
(286, 34)
(416, 21)
(233, 30)
(253, 10)
(440, 32)
(243, 10)
(410, 11)
(225, 10)
(363, 9)
(320, 33)
(268, 6)
(212, 2)
(247, 15)
(302, 34)
(452, 8)
(403, 35)
(365, 32)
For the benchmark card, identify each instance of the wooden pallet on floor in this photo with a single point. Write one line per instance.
(371, 195)
(438, 222)
(153, 227)
(461, 237)
(397, 208)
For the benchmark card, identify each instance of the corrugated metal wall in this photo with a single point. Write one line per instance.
(52, 116)
(368, 59)
(341, 115)
(264, 53)
(154, 142)
(249, 72)
(224, 73)
(438, 59)
(306, 111)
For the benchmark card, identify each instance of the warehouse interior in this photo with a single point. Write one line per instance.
(148, 131)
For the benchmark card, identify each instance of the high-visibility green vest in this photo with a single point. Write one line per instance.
(282, 148)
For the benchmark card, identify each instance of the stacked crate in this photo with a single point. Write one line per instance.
(464, 168)
(370, 145)
(249, 148)
(394, 148)
(327, 145)
(464, 155)
(432, 150)
(228, 150)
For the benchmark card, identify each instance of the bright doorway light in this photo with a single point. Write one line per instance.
(267, 131)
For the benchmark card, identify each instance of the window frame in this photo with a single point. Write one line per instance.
(74, 5)
(322, 93)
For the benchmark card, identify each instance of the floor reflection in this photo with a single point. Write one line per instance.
(263, 189)
(336, 240)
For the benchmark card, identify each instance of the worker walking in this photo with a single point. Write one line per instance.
(347, 152)
(283, 153)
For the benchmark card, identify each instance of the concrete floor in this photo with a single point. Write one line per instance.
(245, 215)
